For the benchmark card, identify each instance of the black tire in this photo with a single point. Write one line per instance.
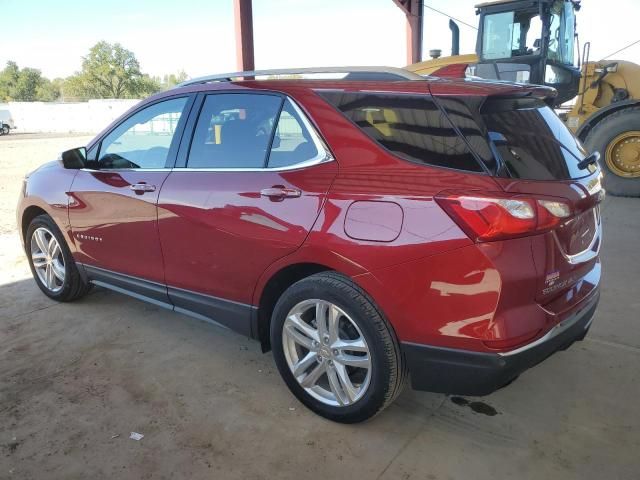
(5, 129)
(388, 369)
(73, 286)
(601, 136)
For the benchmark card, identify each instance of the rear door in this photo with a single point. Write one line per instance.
(113, 211)
(252, 183)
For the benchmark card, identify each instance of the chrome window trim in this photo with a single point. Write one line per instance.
(307, 163)
(127, 169)
(297, 166)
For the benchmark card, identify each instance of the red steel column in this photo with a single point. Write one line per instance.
(413, 9)
(244, 34)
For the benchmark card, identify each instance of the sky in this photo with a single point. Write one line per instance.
(197, 36)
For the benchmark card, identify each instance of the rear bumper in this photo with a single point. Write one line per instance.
(461, 372)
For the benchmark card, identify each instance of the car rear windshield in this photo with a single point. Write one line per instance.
(410, 126)
(531, 140)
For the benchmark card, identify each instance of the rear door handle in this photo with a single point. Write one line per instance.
(279, 192)
(142, 187)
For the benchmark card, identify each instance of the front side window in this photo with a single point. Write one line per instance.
(234, 130)
(410, 126)
(143, 140)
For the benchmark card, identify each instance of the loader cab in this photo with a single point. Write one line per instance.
(529, 41)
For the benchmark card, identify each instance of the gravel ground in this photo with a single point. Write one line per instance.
(76, 379)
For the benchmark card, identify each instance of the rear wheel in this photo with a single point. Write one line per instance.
(334, 349)
(5, 129)
(617, 138)
(52, 265)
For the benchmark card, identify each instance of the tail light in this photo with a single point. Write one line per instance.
(485, 218)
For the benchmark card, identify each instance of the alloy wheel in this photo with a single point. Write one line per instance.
(47, 259)
(326, 352)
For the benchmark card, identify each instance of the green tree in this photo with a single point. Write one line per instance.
(147, 85)
(73, 88)
(49, 90)
(26, 88)
(110, 71)
(8, 80)
(171, 80)
(25, 85)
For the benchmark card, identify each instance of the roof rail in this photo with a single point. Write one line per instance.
(390, 72)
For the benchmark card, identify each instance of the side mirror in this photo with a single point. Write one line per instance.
(74, 159)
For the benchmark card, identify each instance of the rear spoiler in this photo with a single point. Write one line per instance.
(517, 90)
(524, 93)
(493, 89)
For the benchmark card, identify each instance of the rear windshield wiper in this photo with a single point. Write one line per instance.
(593, 158)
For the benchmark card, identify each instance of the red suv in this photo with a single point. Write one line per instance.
(366, 229)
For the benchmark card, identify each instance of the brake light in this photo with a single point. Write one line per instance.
(500, 216)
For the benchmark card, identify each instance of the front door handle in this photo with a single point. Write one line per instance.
(278, 192)
(142, 187)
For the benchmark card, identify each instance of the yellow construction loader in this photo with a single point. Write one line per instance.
(535, 41)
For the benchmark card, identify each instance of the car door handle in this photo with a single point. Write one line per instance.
(279, 192)
(142, 187)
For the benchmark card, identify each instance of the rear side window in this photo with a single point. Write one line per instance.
(532, 141)
(234, 131)
(410, 126)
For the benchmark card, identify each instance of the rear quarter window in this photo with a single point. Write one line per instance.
(410, 126)
(292, 142)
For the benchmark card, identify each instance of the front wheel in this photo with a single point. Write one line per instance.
(52, 265)
(334, 349)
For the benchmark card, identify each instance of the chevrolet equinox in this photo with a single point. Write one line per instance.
(369, 229)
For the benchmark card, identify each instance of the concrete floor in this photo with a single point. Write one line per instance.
(76, 379)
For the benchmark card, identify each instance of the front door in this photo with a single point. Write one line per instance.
(254, 183)
(113, 211)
